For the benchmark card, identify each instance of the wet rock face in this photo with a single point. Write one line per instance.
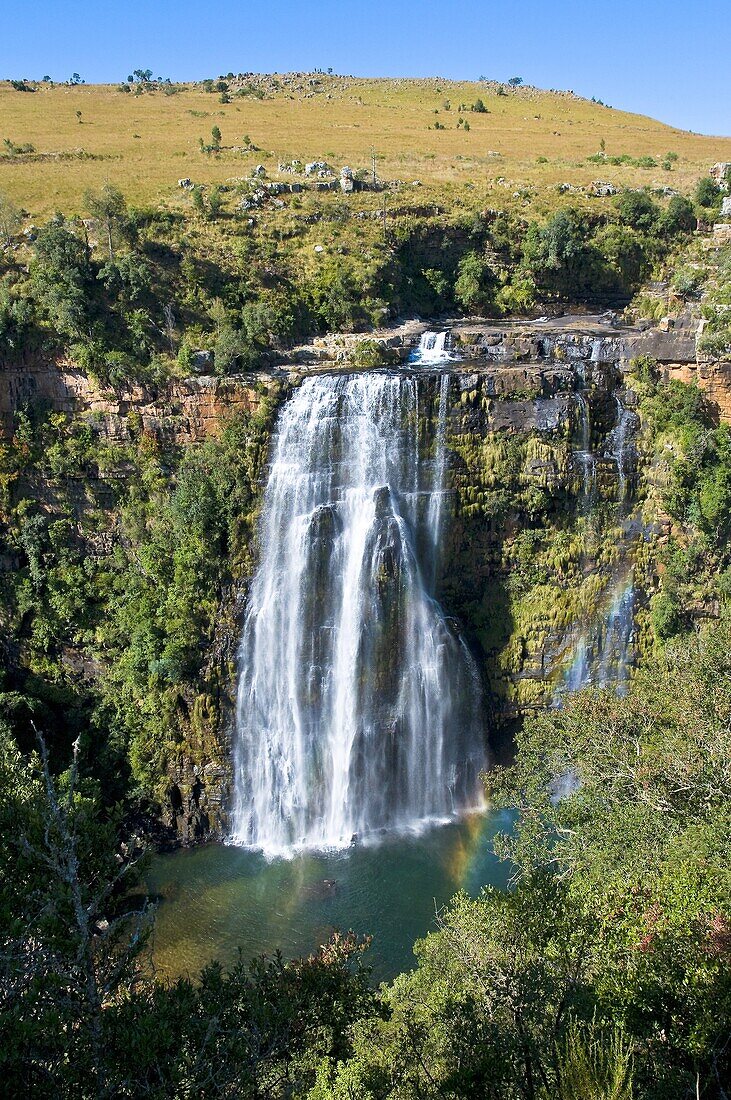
(196, 805)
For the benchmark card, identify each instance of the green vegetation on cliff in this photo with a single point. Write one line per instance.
(689, 479)
(120, 554)
(131, 293)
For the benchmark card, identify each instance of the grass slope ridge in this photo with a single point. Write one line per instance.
(85, 135)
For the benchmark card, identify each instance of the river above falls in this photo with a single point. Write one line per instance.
(216, 899)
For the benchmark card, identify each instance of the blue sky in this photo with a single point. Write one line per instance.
(662, 57)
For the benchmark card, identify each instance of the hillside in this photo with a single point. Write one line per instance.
(145, 139)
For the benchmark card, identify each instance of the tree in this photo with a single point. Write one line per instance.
(638, 210)
(603, 974)
(69, 947)
(641, 843)
(679, 216)
(562, 254)
(475, 283)
(216, 137)
(10, 219)
(215, 202)
(707, 192)
(109, 208)
(63, 280)
(515, 81)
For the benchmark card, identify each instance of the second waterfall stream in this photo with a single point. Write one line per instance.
(358, 702)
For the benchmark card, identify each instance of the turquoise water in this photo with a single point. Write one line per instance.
(215, 899)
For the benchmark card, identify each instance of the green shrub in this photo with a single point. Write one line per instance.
(707, 193)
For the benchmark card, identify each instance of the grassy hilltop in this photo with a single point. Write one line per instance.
(491, 199)
(85, 135)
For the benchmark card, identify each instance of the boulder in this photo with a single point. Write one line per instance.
(602, 189)
(201, 361)
(721, 173)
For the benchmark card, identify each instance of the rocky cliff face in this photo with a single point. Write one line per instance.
(569, 341)
(185, 411)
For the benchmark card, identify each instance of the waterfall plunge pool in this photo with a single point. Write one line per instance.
(216, 899)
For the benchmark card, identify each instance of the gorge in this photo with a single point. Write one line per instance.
(364, 711)
(473, 510)
(365, 573)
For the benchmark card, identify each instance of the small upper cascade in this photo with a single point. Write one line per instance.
(434, 348)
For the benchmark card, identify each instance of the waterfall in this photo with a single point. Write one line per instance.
(358, 704)
(434, 348)
(602, 652)
(436, 497)
(619, 443)
(617, 637)
(584, 455)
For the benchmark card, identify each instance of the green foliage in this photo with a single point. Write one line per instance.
(707, 193)
(667, 617)
(518, 296)
(10, 220)
(370, 354)
(474, 287)
(679, 217)
(80, 1014)
(68, 945)
(62, 280)
(637, 210)
(566, 257)
(109, 208)
(180, 524)
(595, 1068)
(716, 310)
(603, 973)
(17, 318)
(622, 159)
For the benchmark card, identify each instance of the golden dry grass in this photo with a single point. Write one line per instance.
(147, 142)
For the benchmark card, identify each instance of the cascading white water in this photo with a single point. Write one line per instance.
(619, 443)
(434, 348)
(584, 455)
(358, 705)
(617, 641)
(603, 647)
